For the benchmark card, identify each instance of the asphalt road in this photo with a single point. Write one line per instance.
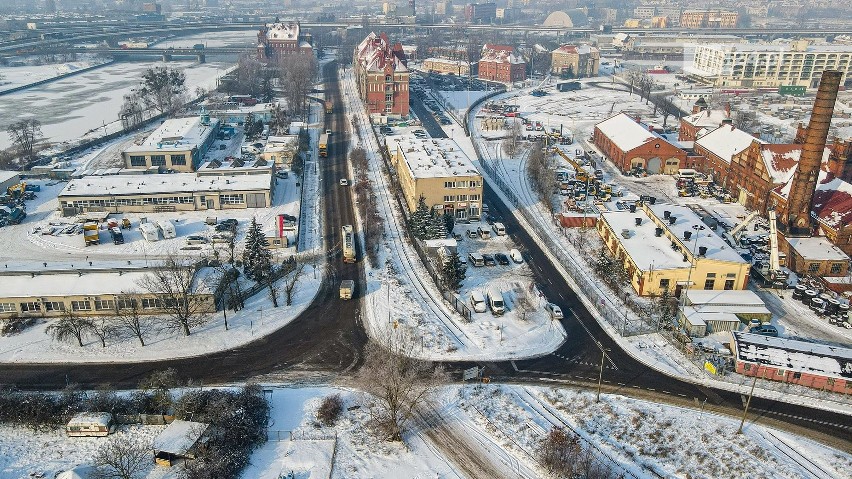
(328, 336)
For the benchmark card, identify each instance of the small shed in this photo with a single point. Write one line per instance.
(90, 424)
(692, 322)
(180, 440)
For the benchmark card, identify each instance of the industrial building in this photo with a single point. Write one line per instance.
(668, 247)
(7, 179)
(167, 192)
(718, 148)
(575, 61)
(631, 145)
(438, 170)
(754, 65)
(707, 312)
(86, 293)
(382, 75)
(444, 65)
(815, 365)
(500, 63)
(277, 40)
(179, 144)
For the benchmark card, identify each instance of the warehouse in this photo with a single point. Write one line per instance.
(164, 193)
(179, 144)
(7, 179)
(631, 146)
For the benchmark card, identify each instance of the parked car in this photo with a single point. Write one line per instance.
(476, 259)
(344, 182)
(477, 302)
(472, 234)
(195, 239)
(554, 310)
(501, 258)
(765, 330)
(489, 260)
(516, 256)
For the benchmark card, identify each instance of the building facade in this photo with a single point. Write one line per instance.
(668, 248)
(500, 63)
(575, 61)
(718, 148)
(630, 146)
(438, 170)
(446, 66)
(278, 40)
(165, 193)
(179, 144)
(763, 65)
(480, 13)
(709, 19)
(51, 294)
(382, 75)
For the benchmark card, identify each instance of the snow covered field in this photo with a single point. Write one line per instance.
(15, 76)
(506, 424)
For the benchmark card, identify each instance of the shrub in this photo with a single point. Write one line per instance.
(330, 410)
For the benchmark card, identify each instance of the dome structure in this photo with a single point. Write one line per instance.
(558, 19)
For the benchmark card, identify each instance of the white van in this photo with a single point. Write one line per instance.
(168, 229)
(477, 302)
(483, 233)
(149, 232)
(495, 301)
(499, 229)
(516, 256)
(476, 259)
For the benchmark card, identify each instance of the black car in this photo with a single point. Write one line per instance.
(489, 260)
(502, 258)
(227, 225)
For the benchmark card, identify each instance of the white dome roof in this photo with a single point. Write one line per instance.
(558, 19)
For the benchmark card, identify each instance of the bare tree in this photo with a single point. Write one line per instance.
(163, 89)
(129, 317)
(176, 293)
(746, 120)
(510, 143)
(25, 135)
(122, 458)
(540, 168)
(291, 279)
(297, 77)
(159, 385)
(103, 328)
(70, 326)
(132, 112)
(398, 383)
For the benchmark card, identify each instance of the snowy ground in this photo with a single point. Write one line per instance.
(23, 75)
(401, 293)
(507, 423)
(224, 38)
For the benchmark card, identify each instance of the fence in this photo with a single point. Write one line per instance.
(614, 312)
(452, 298)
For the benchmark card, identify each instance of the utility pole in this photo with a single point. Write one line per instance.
(600, 373)
(747, 404)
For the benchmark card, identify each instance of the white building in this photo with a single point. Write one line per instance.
(768, 65)
(178, 144)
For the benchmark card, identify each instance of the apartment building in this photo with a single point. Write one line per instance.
(500, 63)
(438, 170)
(709, 19)
(575, 61)
(750, 65)
(277, 40)
(382, 75)
(179, 144)
(447, 66)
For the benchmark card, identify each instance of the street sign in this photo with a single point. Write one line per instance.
(471, 373)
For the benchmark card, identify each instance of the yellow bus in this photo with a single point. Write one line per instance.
(323, 145)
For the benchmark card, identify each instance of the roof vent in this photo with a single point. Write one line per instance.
(638, 221)
(687, 235)
(672, 220)
(667, 214)
(658, 232)
(625, 233)
(702, 251)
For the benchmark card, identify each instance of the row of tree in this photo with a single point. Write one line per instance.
(540, 168)
(373, 223)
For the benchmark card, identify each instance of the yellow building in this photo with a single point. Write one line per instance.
(166, 192)
(179, 144)
(438, 170)
(669, 247)
(86, 293)
(443, 65)
(280, 150)
(575, 61)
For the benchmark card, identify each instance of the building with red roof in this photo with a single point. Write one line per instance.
(382, 75)
(575, 61)
(501, 63)
(630, 145)
(279, 39)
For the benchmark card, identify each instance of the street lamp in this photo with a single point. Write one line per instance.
(692, 261)
(600, 372)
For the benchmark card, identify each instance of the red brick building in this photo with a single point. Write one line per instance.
(500, 63)
(630, 145)
(814, 365)
(277, 40)
(382, 75)
(703, 121)
(718, 147)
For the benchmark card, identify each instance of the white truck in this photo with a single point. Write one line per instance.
(347, 289)
(149, 232)
(495, 301)
(167, 228)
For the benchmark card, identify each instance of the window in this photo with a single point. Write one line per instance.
(836, 268)
(151, 303)
(137, 161)
(813, 268)
(127, 303)
(81, 305)
(473, 197)
(449, 198)
(158, 160)
(797, 375)
(711, 275)
(7, 307)
(829, 381)
(709, 284)
(178, 160)
(449, 184)
(232, 199)
(729, 284)
(462, 198)
(30, 307)
(54, 306)
(664, 283)
(747, 367)
(104, 305)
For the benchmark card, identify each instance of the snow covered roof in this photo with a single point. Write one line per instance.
(73, 283)
(699, 297)
(726, 141)
(100, 418)
(500, 54)
(794, 355)
(179, 437)
(164, 183)
(176, 134)
(685, 219)
(583, 49)
(282, 31)
(707, 118)
(231, 165)
(79, 472)
(832, 203)
(777, 47)
(625, 132)
(375, 52)
(8, 175)
(432, 157)
(817, 248)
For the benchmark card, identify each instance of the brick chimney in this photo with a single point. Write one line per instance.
(797, 220)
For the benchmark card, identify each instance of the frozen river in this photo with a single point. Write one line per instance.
(71, 107)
